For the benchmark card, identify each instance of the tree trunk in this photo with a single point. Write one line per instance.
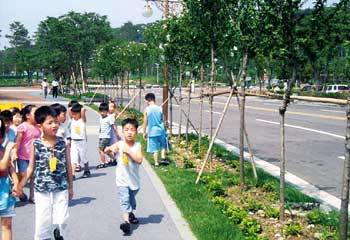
(82, 77)
(282, 111)
(180, 100)
(128, 82)
(242, 119)
(188, 112)
(344, 207)
(212, 80)
(140, 92)
(201, 111)
(122, 88)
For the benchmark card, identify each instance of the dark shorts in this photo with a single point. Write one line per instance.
(22, 165)
(103, 143)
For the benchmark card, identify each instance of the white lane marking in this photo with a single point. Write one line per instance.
(335, 111)
(174, 105)
(303, 128)
(272, 104)
(213, 112)
(341, 157)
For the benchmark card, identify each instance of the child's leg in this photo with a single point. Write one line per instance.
(43, 213)
(132, 194)
(6, 228)
(162, 153)
(102, 156)
(124, 200)
(74, 156)
(155, 158)
(60, 211)
(31, 189)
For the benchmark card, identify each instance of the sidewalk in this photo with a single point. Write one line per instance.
(94, 211)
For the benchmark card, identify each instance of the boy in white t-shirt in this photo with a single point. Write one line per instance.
(79, 138)
(127, 171)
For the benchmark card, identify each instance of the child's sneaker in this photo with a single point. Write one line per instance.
(86, 174)
(133, 219)
(57, 234)
(126, 228)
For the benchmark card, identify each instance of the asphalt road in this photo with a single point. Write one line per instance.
(314, 135)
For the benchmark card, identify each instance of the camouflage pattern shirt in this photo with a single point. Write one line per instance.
(46, 180)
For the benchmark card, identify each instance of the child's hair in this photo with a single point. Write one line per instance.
(6, 115)
(26, 110)
(131, 121)
(2, 127)
(103, 107)
(76, 107)
(42, 113)
(15, 110)
(70, 104)
(58, 108)
(150, 97)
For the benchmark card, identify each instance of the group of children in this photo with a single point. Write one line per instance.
(47, 150)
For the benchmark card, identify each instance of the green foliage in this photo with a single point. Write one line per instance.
(269, 186)
(216, 188)
(236, 214)
(271, 212)
(188, 163)
(251, 205)
(293, 229)
(250, 227)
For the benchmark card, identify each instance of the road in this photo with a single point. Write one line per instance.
(314, 135)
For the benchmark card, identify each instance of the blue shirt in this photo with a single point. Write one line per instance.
(10, 136)
(155, 125)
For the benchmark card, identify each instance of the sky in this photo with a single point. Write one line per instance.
(32, 12)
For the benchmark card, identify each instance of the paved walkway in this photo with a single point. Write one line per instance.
(94, 211)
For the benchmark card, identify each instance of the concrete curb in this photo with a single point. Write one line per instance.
(303, 186)
(175, 214)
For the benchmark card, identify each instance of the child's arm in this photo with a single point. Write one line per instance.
(112, 149)
(83, 114)
(16, 190)
(5, 162)
(144, 124)
(30, 169)
(69, 173)
(136, 157)
(18, 142)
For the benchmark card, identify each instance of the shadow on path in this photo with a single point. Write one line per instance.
(82, 200)
(153, 218)
(91, 176)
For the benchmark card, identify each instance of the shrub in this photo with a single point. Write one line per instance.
(252, 205)
(271, 212)
(222, 203)
(215, 187)
(269, 186)
(316, 216)
(292, 229)
(250, 227)
(235, 213)
(188, 163)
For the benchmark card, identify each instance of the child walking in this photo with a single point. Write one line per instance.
(79, 139)
(53, 180)
(106, 127)
(7, 194)
(154, 130)
(63, 130)
(27, 132)
(127, 171)
(115, 136)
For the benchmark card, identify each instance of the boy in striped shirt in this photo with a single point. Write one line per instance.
(106, 125)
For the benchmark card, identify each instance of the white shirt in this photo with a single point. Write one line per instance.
(127, 173)
(63, 131)
(54, 83)
(44, 84)
(106, 126)
(78, 129)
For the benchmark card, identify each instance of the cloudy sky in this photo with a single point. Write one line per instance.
(31, 12)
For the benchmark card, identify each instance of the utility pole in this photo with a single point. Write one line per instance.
(165, 72)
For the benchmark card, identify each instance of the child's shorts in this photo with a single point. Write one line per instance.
(22, 165)
(8, 212)
(78, 152)
(127, 199)
(155, 144)
(103, 143)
